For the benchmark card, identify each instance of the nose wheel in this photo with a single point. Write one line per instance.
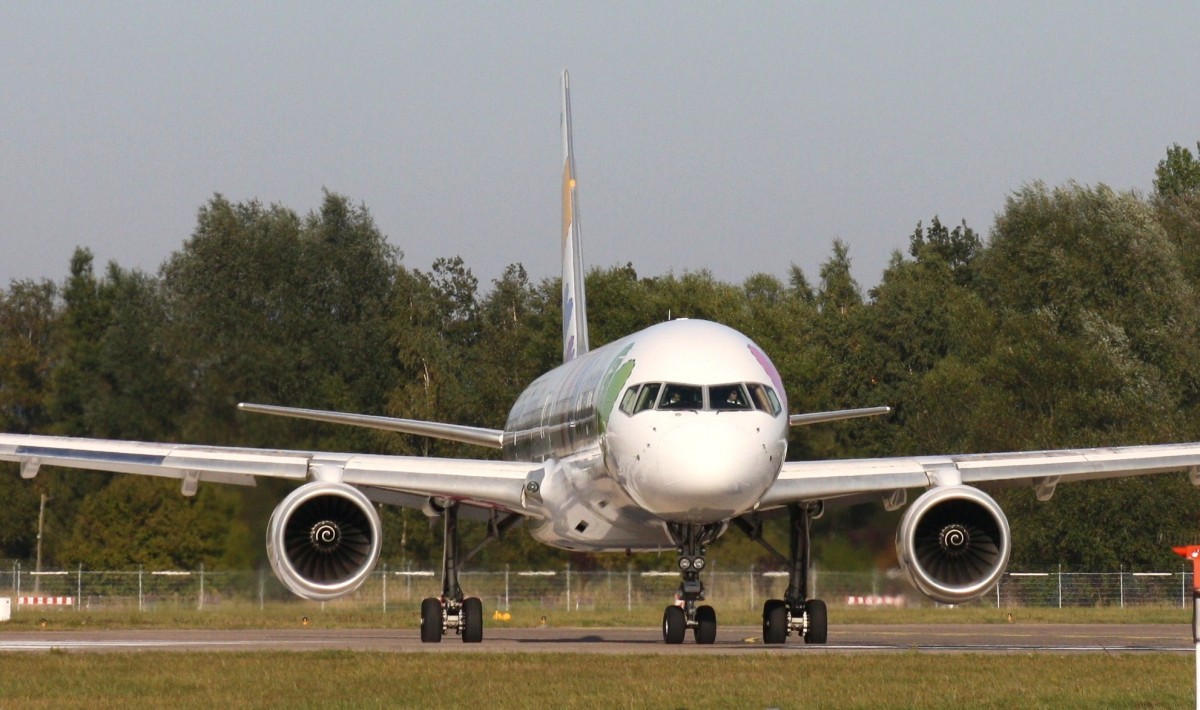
(686, 613)
(703, 624)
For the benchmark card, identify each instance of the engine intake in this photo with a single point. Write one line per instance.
(323, 540)
(953, 543)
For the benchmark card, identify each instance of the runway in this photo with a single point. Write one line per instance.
(849, 638)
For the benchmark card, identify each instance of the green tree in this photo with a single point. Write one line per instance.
(436, 324)
(270, 307)
(1177, 204)
(1179, 173)
(29, 311)
(839, 292)
(141, 521)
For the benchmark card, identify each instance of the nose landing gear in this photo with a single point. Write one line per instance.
(686, 613)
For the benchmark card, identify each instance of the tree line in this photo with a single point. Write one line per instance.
(1076, 322)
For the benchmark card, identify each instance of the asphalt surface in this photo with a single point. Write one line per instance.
(848, 638)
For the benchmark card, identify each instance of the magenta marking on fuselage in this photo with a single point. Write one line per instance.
(769, 368)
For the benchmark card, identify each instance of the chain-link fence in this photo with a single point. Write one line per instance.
(565, 589)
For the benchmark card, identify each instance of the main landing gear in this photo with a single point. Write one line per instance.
(795, 613)
(452, 612)
(684, 614)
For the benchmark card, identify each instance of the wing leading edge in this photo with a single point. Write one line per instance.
(478, 482)
(823, 480)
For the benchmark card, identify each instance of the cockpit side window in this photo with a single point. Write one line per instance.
(726, 397)
(682, 397)
(629, 398)
(776, 407)
(647, 397)
(765, 399)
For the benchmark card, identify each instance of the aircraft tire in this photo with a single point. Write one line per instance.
(818, 621)
(472, 620)
(775, 621)
(431, 620)
(674, 625)
(706, 625)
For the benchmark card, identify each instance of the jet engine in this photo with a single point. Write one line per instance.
(953, 543)
(323, 540)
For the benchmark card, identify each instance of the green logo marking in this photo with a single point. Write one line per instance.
(612, 383)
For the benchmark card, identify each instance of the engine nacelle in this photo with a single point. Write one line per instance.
(323, 540)
(953, 543)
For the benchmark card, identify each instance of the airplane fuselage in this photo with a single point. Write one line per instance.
(683, 422)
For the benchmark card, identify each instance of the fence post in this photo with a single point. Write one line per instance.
(262, 587)
(1059, 585)
(1121, 584)
(141, 606)
(568, 586)
(384, 587)
(17, 577)
(200, 603)
(751, 587)
(79, 587)
(628, 587)
(506, 589)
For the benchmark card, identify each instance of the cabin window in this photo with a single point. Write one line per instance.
(682, 397)
(728, 397)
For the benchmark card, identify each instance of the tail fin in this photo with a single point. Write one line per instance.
(574, 302)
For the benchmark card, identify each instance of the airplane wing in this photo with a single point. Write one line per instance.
(482, 483)
(801, 481)
(479, 436)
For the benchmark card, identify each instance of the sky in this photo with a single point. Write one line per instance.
(734, 137)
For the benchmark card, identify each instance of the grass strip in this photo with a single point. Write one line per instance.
(784, 680)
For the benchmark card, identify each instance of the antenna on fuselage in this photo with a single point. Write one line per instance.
(574, 301)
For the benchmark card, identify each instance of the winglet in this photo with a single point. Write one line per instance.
(574, 301)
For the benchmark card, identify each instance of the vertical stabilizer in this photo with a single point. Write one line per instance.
(574, 303)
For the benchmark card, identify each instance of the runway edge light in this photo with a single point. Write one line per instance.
(1192, 552)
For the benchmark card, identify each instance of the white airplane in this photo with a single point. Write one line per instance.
(661, 439)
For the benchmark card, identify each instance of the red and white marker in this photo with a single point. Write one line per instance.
(1192, 552)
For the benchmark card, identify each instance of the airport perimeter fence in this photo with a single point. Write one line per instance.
(565, 590)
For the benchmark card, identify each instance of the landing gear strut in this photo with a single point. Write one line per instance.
(452, 611)
(684, 614)
(795, 613)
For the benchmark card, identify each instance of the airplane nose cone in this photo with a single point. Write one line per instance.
(707, 471)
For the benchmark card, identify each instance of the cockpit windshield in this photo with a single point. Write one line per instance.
(726, 397)
(668, 396)
(682, 397)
